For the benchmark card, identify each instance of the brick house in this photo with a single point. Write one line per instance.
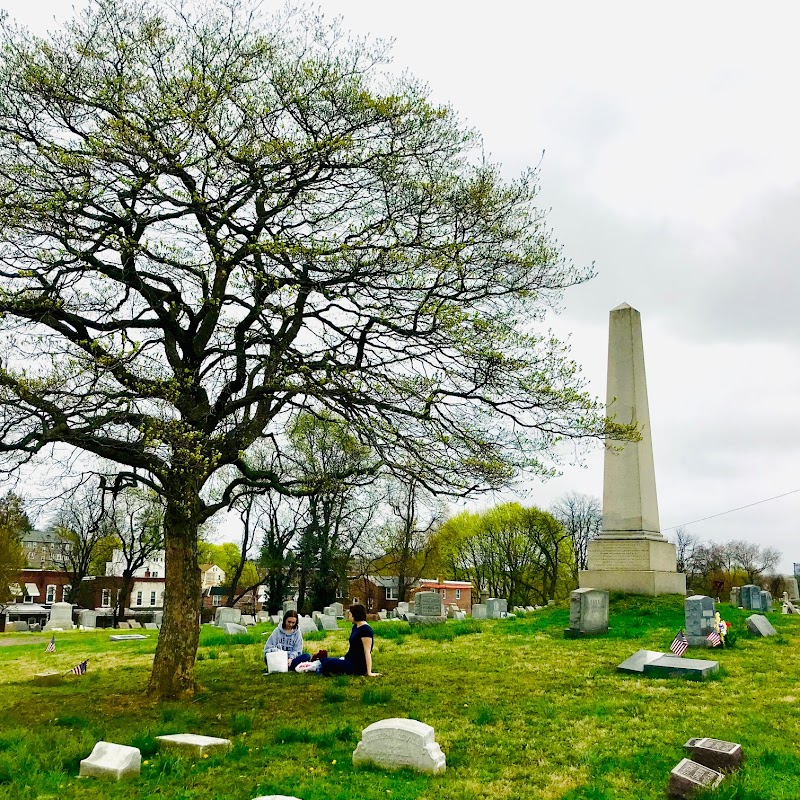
(379, 592)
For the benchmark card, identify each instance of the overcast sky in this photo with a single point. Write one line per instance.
(671, 160)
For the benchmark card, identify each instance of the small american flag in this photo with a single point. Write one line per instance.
(714, 638)
(80, 669)
(679, 644)
(51, 645)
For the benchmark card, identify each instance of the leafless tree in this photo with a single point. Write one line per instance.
(582, 518)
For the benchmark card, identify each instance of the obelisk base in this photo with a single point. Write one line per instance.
(633, 564)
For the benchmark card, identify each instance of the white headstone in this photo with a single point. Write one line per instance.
(289, 605)
(232, 629)
(395, 743)
(306, 625)
(225, 614)
(109, 760)
(326, 623)
(479, 611)
(88, 618)
(193, 745)
(337, 610)
(248, 619)
(496, 607)
(60, 617)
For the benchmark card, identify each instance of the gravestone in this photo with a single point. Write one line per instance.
(402, 608)
(48, 678)
(630, 554)
(262, 616)
(315, 615)
(234, 629)
(459, 615)
(670, 666)
(766, 601)
(760, 625)
(35, 627)
(87, 617)
(60, 617)
(636, 662)
(689, 777)
(134, 624)
(277, 619)
(715, 753)
(20, 626)
(225, 614)
(588, 613)
(427, 604)
(496, 607)
(289, 605)
(123, 626)
(337, 610)
(327, 610)
(126, 637)
(529, 609)
(790, 582)
(395, 743)
(479, 611)
(109, 760)
(191, 744)
(736, 596)
(325, 622)
(158, 618)
(248, 619)
(382, 614)
(306, 625)
(150, 626)
(751, 597)
(699, 618)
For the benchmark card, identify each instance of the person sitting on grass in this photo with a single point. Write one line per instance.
(358, 658)
(287, 637)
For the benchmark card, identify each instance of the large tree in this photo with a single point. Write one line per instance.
(582, 518)
(14, 523)
(209, 220)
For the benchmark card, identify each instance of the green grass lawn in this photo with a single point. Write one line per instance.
(519, 711)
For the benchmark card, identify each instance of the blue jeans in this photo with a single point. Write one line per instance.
(337, 666)
(298, 660)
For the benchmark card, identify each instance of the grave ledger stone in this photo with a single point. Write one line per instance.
(588, 613)
(191, 744)
(395, 743)
(715, 753)
(699, 619)
(109, 760)
(630, 554)
(690, 777)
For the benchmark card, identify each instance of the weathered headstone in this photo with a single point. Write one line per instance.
(790, 582)
(127, 637)
(402, 608)
(48, 678)
(276, 619)
(337, 610)
(395, 743)
(751, 597)
(382, 614)
(191, 744)
(325, 622)
(150, 626)
(109, 760)
(479, 611)
(588, 613)
(315, 615)
(225, 614)
(496, 607)
(35, 627)
(689, 777)
(766, 601)
(248, 619)
(715, 753)
(87, 617)
(306, 625)
(459, 615)
(234, 629)
(289, 605)
(529, 609)
(123, 626)
(158, 618)
(60, 617)
(20, 626)
(427, 604)
(134, 624)
(262, 616)
(760, 625)
(736, 596)
(699, 619)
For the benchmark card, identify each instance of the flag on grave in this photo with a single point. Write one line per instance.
(679, 644)
(714, 638)
(80, 669)
(51, 645)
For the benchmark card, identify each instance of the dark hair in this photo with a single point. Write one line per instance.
(358, 613)
(290, 613)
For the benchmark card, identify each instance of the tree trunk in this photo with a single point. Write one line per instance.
(173, 666)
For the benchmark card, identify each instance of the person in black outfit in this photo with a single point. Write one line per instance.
(358, 658)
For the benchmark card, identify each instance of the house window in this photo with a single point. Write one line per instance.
(105, 600)
(215, 598)
(356, 601)
(152, 598)
(154, 573)
(51, 593)
(65, 590)
(138, 598)
(26, 598)
(458, 594)
(444, 594)
(391, 593)
(369, 602)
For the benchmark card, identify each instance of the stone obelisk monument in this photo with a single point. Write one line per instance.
(630, 554)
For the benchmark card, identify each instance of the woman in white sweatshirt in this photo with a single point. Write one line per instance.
(287, 637)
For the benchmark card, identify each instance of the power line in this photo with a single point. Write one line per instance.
(731, 510)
